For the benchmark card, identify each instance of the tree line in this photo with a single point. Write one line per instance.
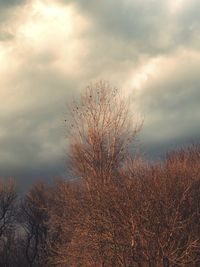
(115, 209)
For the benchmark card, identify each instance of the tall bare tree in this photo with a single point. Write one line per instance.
(100, 133)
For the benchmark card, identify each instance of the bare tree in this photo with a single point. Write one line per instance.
(165, 209)
(35, 220)
(100, 133)
(66, 216)
(8, 206)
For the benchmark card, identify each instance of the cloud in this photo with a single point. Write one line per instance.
(7, 6)
(170, 102)
(50, 50)
(39, 70)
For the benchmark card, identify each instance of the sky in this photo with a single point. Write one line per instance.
(51, 50)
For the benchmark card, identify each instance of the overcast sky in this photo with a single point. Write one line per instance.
(50, 50)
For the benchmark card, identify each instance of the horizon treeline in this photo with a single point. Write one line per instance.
(115, 209)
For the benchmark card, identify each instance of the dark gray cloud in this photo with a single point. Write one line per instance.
(170, 105)
(5, 36)
(150, 26)
(7, 5)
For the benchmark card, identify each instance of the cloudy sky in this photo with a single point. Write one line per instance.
(51, 49)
